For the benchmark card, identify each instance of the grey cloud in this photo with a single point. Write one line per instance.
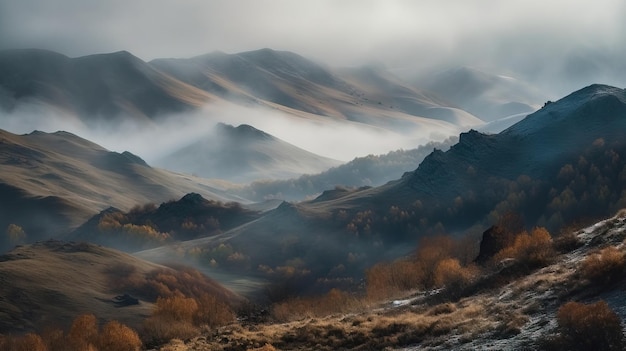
(533, 38)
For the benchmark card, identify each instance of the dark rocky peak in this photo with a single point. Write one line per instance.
(584, 106)
(193, 198)
(243, 131)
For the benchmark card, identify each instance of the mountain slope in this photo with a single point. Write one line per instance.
(244, 154)
(64, 178)
(286, 79)
(93, 87)
(488, 96)
(49, 283)
(371, 170)
(519, 313)
(536, 147)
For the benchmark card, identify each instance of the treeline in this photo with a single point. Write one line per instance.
(584, 187)
(150, 226)
(371, 170)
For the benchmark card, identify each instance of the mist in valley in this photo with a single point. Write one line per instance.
(154, 140)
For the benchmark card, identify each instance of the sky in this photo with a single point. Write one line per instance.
(568, 39)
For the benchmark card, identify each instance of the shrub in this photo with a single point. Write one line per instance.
(172, 319)
(567, 242)
(588, 327)
(604, 267)
(177, 308)
(388, 279)
(529, 250)
(157, 331)
(83, 332)
(212, 312)
(55, 339)
(28, 342)
(118, 337)
(453, 276)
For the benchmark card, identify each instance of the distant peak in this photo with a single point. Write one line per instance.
(193, 198)
(243, 130)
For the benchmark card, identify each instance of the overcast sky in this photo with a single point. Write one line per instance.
(531, 37)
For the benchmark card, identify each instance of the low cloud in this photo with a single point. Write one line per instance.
(341, 140)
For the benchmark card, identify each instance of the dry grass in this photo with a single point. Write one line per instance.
(335, 301)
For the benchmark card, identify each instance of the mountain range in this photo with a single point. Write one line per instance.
(560, 164)
(62, 197)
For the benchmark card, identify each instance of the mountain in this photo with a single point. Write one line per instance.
(287, 80)
(529, 155)
(244, 154)
(49, 283)
(562, 164)
(55, 181)
(95, 87)
(485, 95)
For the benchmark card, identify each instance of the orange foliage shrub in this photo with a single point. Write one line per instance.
(118, 337)
(55, 339)
(423, 271)
(177, 308)
(84, 335)
(212, 312)
(387, 279)
(452, 275)
(173, 318)
(530, 250)
(430, 252)
(28, 342)
(589, 327)
(605, 266)
(83, 332)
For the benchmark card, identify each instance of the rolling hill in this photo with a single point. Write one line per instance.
(51, 182)
(48, 284)
(96, 88)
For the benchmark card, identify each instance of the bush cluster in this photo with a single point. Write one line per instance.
(530, 250)
(587, 327)
(179, 317)
(604, 267)
(84, 335)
